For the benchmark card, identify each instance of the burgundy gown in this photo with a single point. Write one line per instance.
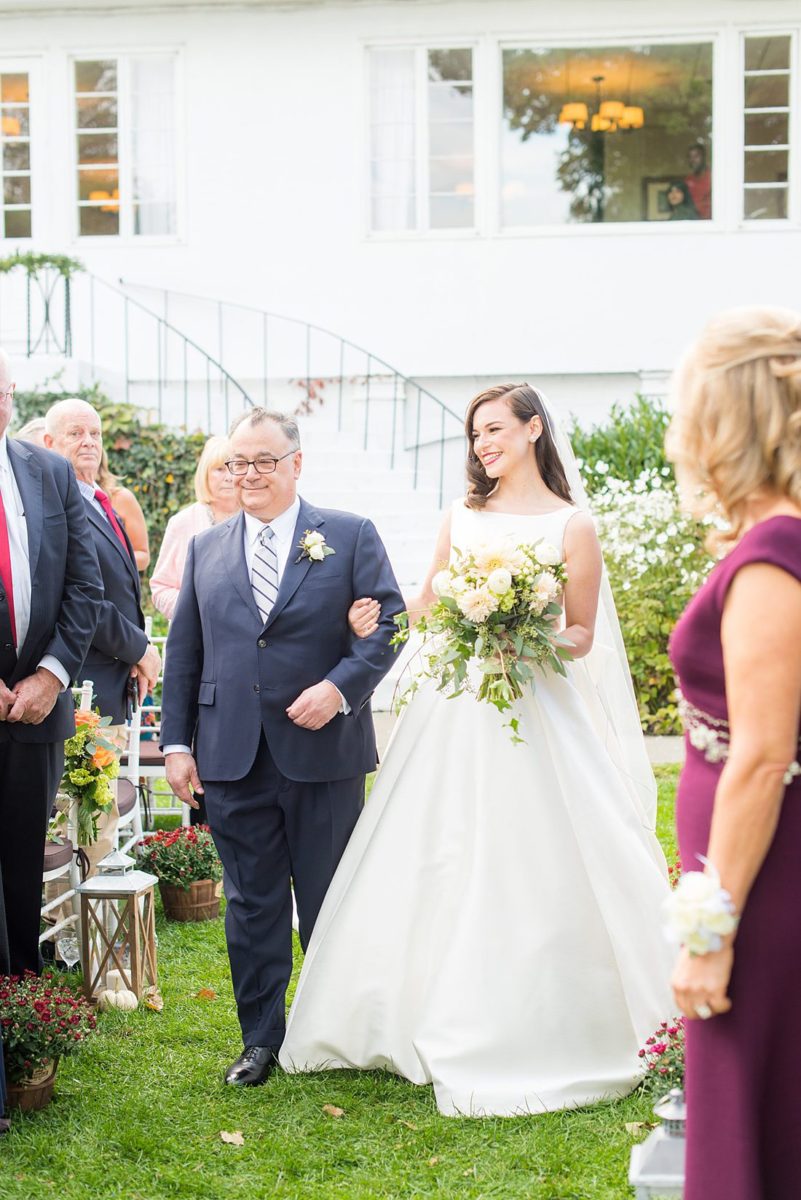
(743, 1082)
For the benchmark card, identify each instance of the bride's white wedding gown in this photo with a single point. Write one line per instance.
(494, 925)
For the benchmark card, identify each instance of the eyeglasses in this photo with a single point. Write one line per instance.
(264, 466)
(9, 391)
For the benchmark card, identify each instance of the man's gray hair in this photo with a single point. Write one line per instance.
(58, 412)
(257, 416)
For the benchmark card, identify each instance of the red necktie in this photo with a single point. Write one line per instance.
(105, 504)
(5, 568)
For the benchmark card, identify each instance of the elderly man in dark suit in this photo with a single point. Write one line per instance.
(267, 702)
(50, 593)
(120, 649)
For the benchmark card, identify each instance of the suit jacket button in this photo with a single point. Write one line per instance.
(256, 687)
(262, 642)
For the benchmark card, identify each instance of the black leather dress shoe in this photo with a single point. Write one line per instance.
(254, 1066)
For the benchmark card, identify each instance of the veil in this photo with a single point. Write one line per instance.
(603, 675)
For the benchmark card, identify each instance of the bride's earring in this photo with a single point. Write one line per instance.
(533, 439)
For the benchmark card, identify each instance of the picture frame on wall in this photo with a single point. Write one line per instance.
(654, 197)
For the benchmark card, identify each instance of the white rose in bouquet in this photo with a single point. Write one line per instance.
(547, 554)
(458, 585)
(476, 604)
(499, 581)
(441, 583)
(546, 584)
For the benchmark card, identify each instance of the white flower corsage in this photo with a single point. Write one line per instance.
(312, 546)
(699, 912)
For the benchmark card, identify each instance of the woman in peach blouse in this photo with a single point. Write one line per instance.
(216, 501)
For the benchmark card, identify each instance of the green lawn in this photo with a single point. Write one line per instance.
(139, 1113)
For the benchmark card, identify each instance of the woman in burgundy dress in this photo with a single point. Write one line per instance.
(736, 442)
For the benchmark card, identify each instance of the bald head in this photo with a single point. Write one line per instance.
(72, 429)
(6, 391)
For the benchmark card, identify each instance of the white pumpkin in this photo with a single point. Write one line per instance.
(123, 1000)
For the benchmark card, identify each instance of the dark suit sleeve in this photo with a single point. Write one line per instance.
(83, 587)
(183, 659)
(358, 674)
(117, 636)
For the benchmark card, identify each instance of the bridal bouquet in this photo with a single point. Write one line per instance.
(496, 608)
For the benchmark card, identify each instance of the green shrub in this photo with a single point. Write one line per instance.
(631, 441)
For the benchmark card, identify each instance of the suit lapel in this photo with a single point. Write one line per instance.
(232, 548)
(28, 475)
(295, 571)
(104, 526)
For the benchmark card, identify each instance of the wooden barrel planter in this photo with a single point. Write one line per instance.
(36, 1091)
(198, 902)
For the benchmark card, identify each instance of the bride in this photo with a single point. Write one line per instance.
(494, 925)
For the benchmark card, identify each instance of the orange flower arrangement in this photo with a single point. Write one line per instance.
(90, 764)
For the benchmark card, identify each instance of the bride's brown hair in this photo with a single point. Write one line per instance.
(524, 402)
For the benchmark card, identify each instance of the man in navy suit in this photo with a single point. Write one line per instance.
(50, 592)
(265, 681)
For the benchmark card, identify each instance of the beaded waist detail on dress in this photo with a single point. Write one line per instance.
(711, 736)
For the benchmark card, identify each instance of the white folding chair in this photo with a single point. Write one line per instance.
(142, 761)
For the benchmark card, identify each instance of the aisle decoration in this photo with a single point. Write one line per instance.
(90, 763)
(662, 1057)
(41, 1021)
(189, 871)
(497, 609)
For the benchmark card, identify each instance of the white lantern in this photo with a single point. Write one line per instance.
(656, 1171)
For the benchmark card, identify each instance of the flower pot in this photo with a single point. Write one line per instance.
(36, 1091)
(199, 902)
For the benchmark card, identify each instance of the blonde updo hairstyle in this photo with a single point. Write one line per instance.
(737, 423)
(213, 454)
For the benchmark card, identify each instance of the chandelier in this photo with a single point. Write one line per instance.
(609, 115)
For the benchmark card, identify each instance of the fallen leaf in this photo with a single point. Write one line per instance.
(232, 1139)
(408, 1125)
(206, 994)
(152, 998)
(639, 1126)
(432, 1162)
(331, 1110)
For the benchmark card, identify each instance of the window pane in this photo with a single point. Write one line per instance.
(451, 175)
(95, 222)
(393, 148)
(447, 103)
(455, 65)
(18, 223)
(769, 166)
(17, 189)
(14, 89)
(17, 156)
(767, 91)
(767, 53)
(97, 147)
(14, 122)
(450, 137)
(557, 169)
(451, 212)
(96, 76)
(154, 219)
(152, 147)
(97, 114)
(765, 204)
(767, 129)
(98, 185)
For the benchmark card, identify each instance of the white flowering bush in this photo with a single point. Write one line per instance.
(656, 562)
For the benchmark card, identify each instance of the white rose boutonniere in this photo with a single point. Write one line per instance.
(312, 546)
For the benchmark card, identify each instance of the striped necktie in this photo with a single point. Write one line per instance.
(264, 572)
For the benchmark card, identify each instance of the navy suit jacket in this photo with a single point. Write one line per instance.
(66, 588)
(228, 675)
(119, 639)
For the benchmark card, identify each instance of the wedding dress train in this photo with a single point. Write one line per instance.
(493, 927)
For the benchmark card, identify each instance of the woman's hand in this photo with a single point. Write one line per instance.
(700, 982)
(363, 616)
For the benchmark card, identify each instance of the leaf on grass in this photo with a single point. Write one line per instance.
(232, 1139)
(331, 1110)
(408, 1125)
(153, 999)
(206, 994)
(634, 1127)
(432, 1162)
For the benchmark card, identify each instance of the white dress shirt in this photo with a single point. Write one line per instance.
(20, 560)
(283, 527)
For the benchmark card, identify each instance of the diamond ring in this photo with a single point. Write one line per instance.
(703, 1011)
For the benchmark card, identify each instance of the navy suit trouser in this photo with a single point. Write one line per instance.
(271, 833)
(30, 773)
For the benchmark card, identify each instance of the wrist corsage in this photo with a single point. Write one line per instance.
(699, 912)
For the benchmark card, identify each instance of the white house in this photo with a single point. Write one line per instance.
(470, 191)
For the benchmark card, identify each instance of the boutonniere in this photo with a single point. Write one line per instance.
(312, 546)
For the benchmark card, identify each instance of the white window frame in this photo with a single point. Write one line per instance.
(32, 67)
(793, 218)
(126, 234)
(711, 36)
(422, 230)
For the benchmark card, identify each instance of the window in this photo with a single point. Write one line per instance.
(766, 109)
(124, 120)
(618, 133)
(15, 155)
(421, 139)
